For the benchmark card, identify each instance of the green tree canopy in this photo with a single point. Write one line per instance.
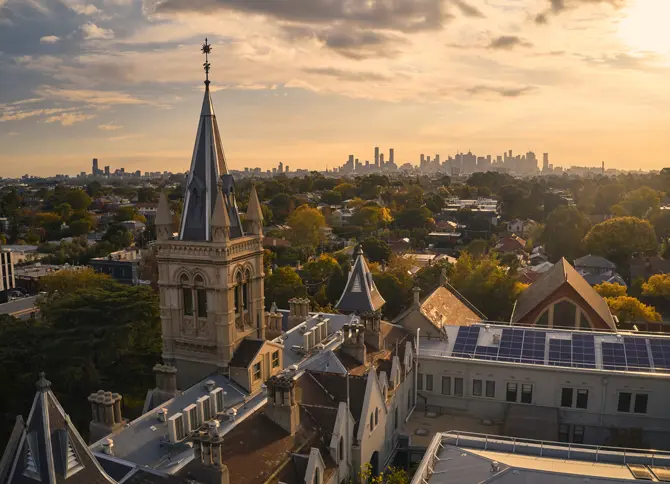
(619, 238)
(563, 233)
(306, 224)
(282, 285)
(376, 250)
(638, 203)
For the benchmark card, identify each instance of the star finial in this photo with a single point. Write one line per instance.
(206, 49)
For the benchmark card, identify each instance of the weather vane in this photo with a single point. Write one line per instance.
(206, 49)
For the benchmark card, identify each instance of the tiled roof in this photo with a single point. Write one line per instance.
(594, 261)
(562, 273)
(246, 352)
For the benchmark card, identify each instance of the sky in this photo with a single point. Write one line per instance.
(307, 82)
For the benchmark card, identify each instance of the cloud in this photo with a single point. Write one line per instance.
(10, 113)
(109, 127)
(69, 118)
(500, 90)
(93, 32)
(345, 75)
(49, 39)
(622, 60)
(468, 10)
(89, 96)
(405, 15)
(508, 42)
(85, 9)
(556, 7)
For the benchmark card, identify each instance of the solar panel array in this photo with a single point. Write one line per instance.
(574, 350)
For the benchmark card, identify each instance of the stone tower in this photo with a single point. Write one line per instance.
(210, 274)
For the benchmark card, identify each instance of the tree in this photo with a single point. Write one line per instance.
(414, 218)
(306, 224)
(282, 285)
(428, 278)
(317, 275)
(629, 309)
(50, 222)
(124, 214)
(477, 248)
(377, 250)
(638, 203)
(118, 236)
(563, 233)
(396, 290)
(70, 281)
(619, 238)
(346, 190)
(486, 284)
(391, 475)
(607, 196)
(657, 286)
(331, 197)
(661, 223)
(609, 289)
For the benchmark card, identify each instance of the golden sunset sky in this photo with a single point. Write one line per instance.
(307, 82)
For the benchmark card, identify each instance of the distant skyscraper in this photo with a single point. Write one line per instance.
(603, 168)
(376, 155)
(286, 170)
(545, 162)
(95, 170)
(281, 168)
(107, 170)
(381, 159)
(391, 156)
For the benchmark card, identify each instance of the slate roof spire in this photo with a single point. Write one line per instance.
(208, 173)
(360, 295)
(254, 213)
(47, 448)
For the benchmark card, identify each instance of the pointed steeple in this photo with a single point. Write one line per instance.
(208, 171)
(50, 449)
(163, 219)
(254, 213)
(220, 220)
(360, 294)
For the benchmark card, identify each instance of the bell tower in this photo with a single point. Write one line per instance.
(210, 273)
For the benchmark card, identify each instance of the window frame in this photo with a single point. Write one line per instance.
(477, 387)
(569, 399)
(448, 386)
(256, 371)
(582, 391)
(275, 359)
(524, 393)
(509, 392)
(458, 386)
(429, 382)
(578, 437)
(619, 401)
(419, 381)
(646, 403)
(490, 384)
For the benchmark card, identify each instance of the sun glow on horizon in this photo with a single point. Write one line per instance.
(644, 27)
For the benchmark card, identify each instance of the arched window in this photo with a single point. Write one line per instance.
(245, 290)
(238, 290)
(201, 297)
(565, 314)
(543, 320)
(341, 448)
(187, 295)
(317, 477)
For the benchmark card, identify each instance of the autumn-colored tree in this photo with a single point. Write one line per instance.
(657, 286)
(610, 289)
(391, 475)
(306, 224)
(629, 309)
(619, 238)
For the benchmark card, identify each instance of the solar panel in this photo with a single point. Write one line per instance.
(486, 352)
(660, 352)
(560, 352)
(534, 343)
(511, 343)
(637, 356)
(583, 351)
(466, 341)
(614, 356)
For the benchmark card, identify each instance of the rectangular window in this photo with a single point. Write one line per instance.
(458, 387)
(446, 385)
(511, 392)
(641, 400)
(582, 398)
(245, 296)
(188, 301)
(563, 433)
(476, 388)
(257, 371)
(201, 294)
(419, 381)
(409, 401)
(566, 397)
(429, 383)
(275, 359)
(578, 434)
(491, 389)
(624, 402)
(526, 393)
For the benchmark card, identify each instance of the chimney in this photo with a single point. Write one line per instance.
(207, 467)
(354, 342)
(282, 407)
(106, 414)
(166, 383)
(443, 277)
(273, 323)
(417, 297)
(373, 335)
(298, 311)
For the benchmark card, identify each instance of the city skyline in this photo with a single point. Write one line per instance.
(111, 79)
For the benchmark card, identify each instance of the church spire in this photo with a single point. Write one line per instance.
(254, 213)
(163, 220)
(207, 173)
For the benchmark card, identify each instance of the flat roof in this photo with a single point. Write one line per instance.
(18, 305)
(468, 458)
(641, 353)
